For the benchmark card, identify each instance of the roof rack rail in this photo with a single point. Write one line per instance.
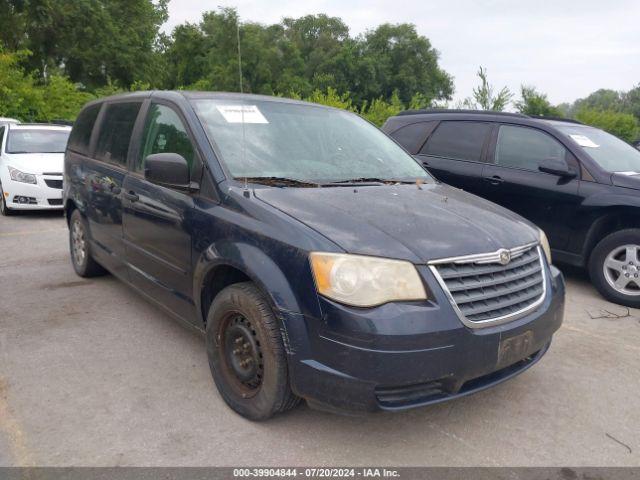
(459, 110)
(557, 119)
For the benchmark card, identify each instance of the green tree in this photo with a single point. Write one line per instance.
(331, 98)
(93, 42)
(533, 102)
(396, 58)
(19, 96)
(603, 100)
(484, 96)
(379, 109)
(622, 125)
(631, 101)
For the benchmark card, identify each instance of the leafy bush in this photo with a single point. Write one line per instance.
(622, 125)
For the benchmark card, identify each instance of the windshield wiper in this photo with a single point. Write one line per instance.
(371, 180)
(278, 181)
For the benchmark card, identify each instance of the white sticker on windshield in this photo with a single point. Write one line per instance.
(584, 141)
(240, 113)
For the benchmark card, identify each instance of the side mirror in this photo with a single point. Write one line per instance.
(168, 170)
(556, 166)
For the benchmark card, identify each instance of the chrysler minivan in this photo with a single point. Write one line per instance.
(321, 261)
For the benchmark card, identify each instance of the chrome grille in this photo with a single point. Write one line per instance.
(484, 291)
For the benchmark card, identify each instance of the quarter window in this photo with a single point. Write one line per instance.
(412, 136)
(115, 132)
(164, 132)
(82, 128)
(526, 148)
(458, 140)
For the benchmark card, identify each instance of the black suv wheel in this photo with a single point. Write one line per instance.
(614, 267)
(246, 354)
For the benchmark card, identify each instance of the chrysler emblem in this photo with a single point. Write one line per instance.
(505, 256)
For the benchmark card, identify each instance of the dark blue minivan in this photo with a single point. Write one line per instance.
(320, 259)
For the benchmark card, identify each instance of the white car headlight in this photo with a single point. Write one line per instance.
(362, 281)
(18, 176)
(544, 243)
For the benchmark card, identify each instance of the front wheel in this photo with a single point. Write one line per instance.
(246, 354)
(4, 210)
(614, 267)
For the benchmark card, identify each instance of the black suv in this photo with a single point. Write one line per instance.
(578, 183)
(322, 261)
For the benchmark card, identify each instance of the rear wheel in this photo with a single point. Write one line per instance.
(246, 354)
(81, 258)
(4, 210)
(614, 267)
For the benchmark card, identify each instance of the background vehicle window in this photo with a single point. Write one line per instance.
(1, 137)
(412, 136)
(458, 140)
(164, 132)
(115, 132)
(37, 140)
(82, 128)
(525, 148)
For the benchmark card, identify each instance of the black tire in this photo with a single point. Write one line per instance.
(84, 265)
(4, 210)
(240, 316)
(614, 244)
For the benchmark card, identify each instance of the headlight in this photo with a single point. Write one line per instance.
(18, 176)
(544, 243)
(363, 281)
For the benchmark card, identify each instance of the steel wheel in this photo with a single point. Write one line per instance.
(78, 242)
(621, 269)
(242, 354)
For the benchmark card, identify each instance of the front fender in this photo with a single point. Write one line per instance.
(258, 266)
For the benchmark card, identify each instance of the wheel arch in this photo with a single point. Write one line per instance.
(224, 264)
(69, 207)
(614, 219)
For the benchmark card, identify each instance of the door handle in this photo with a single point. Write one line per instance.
(131, 196)
(495, 180)
(425, 163)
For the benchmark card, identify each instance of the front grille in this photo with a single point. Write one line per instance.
(55, 201)
(53, 183)
(485, 291)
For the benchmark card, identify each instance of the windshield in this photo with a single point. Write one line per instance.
(37, 141)
(611, 153)
(302, 142)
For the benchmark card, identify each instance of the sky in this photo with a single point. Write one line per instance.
(565, 48)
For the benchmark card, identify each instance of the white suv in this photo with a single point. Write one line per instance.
(31, 165)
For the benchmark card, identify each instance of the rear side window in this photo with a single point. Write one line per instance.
(521, 147)
(1, 136)
(115, 132)
(412, 136)
(458, 140)
(81, 132)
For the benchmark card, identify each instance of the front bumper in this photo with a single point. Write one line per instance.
(401, 356)
(44, 195)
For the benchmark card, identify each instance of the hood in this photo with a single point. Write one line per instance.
(626, 179)
(403, 221)
(37, 163)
